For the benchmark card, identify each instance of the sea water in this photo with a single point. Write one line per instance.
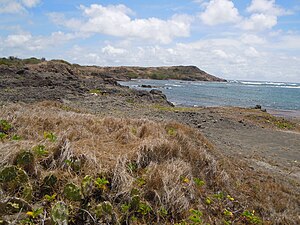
(270, 95)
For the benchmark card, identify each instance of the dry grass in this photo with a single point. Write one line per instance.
(152, 168)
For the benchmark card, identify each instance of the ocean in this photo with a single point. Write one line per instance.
(270, 95)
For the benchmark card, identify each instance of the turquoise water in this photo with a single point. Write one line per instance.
(270, 95)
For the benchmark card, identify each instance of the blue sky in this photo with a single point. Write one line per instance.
(245, 40)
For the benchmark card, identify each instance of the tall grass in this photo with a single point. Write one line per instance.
(116, 170)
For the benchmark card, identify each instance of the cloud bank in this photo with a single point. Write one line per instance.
(219, 37)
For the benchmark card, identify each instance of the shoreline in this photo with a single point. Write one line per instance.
(288, 114)
(285, 113)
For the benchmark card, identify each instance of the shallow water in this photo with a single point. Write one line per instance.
(270, 95)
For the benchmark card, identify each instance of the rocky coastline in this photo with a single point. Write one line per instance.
(122, 156)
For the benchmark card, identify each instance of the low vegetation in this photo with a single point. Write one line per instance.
(67, 167)
(14, 61)
(272, 121)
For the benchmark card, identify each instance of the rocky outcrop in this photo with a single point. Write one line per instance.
(191, 73)
(60, 81)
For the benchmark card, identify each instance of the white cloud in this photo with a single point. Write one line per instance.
(231, 58)
(30, 3)
(17, 6)
(252, 39)
(220, 12)
(264, 15)
(267, 7)
(116, 20)
(252, 52)
(110, 50)
(259, 22)
(25, 42)
(220, 53)
(17, 40)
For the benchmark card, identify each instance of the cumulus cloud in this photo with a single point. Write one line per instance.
(111, 50)
(17, 6)
(267, 7)
(117, 20)
(248, 56)
(220, 12)
(264, 15)
(28, 43)
(259, 22)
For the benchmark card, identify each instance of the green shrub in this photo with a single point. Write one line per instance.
(72, 192)
(60, 214)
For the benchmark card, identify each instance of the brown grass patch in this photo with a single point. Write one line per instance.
(151, 172)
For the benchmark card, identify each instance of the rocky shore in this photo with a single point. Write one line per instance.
(233, 164)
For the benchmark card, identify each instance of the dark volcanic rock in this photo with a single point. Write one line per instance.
(61, 81)
(146, 86)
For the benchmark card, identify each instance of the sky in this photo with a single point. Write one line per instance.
(236, 40)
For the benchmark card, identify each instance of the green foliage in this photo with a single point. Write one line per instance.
(50, 136)
(32, 60)
(132, 75)
(135, 202)
(132, 167)
(96, 91)
(208, 201)
(163, 212)
(144, 208)
(195, 216)
(50, 198)
(3, 136)
(72, 192)
(8, 174)
(16, 137)
(25, 160)
(280, 123)
(35, 213)
(158, 76)
(171, 131)
(230, 198)
(251, 218)
(14, 61)
(284, 124)
(219, 195)
(125, 208)
(40, 151)
(5, 126)
(227, 213)
(50, 180)
(134, 192)
(198, 182)
(140, 181)
(75, 164)
(60, 214)
(133, 130)
(101, 183)
(87, 186)
(13, 174)
(27, 192)
(105, 208)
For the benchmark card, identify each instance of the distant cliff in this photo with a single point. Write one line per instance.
(191, 73)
